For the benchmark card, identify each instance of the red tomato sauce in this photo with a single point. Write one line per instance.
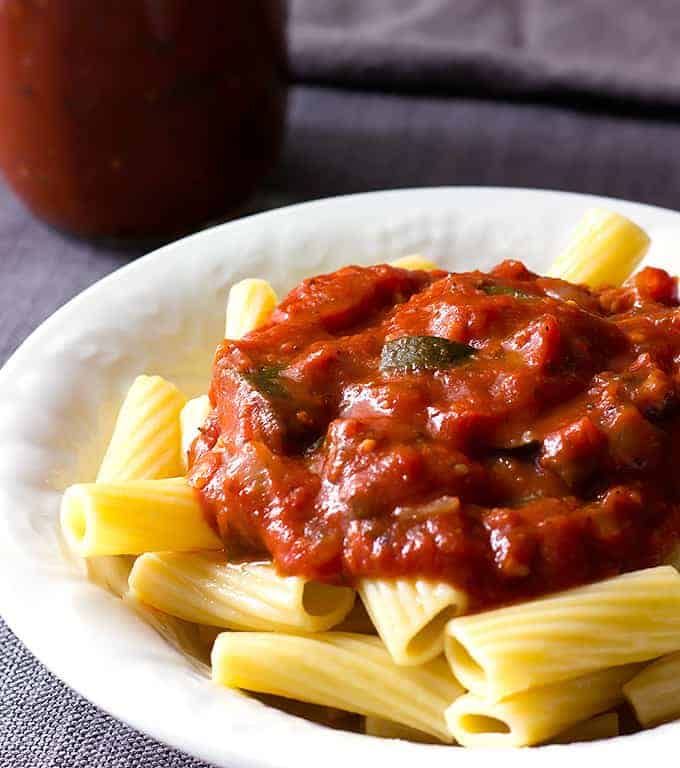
(538, 452)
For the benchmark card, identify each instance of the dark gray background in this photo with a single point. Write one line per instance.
(582, 96)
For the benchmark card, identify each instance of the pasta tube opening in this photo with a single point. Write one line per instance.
(318, 598)
(76, 520)
(250, 304)
(411, 615)
(431, 633)
(464, 665)
(538, 714)
(135, 517)
(480, 723)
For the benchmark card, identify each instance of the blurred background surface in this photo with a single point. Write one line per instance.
(581, 96)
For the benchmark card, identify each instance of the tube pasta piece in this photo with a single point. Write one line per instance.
(410, 615)
(208, 635)
(146, 439)
(414, 261)
(654, 693)
(110, 572)
(538, 714)
(250, 304)
(186, 637)
(335, 669)
(206, 589)
(604, 249)
(387, 729)
(144, 446)
(191, 419)
(134, 517)
(629, 618)
(604, 726)
(357, 621)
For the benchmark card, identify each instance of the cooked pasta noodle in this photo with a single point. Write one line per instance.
(349, 672)
(203, 587)
(144, 446)
(536, 715)
(604, 726)
(410, 615)
(387, 729)
(604, 249)
(654, 693)
(110, 572)
(629, 618)
(250, 304)
(191, 639)
(135, 517)
(414, 261)
(146, 438)
(191, 419)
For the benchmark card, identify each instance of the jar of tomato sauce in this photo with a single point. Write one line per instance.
(139, 119)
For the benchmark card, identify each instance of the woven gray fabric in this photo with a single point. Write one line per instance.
(601, 49)
(44, 723)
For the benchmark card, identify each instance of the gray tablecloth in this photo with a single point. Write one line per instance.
(341, 140)
(600, 50)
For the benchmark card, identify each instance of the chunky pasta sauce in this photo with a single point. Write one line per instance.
(508, 433)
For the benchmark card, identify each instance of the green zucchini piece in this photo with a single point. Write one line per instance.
(267, 382)
(413, 353)
(498, 289)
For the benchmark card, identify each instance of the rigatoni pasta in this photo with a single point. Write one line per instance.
(536, 715)
(350, 672)
(654, 694)
(388, 729)
(191, 419)
(604, 726)
(629, 618)
(250, 304)
(110, 571)
(145, 441)
(414, 261)
(205, 588)
(410, 615)
(143, 447)
(604, 249)
(135, 517)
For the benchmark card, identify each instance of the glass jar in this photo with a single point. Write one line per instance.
(138, 119)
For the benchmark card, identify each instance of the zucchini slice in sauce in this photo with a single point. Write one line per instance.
(498, 289)
(267, 382)
(414, 353)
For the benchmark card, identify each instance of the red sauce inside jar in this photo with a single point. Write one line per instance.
(139, 118)
(509, 433)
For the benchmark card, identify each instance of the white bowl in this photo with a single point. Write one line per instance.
(164, 314)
